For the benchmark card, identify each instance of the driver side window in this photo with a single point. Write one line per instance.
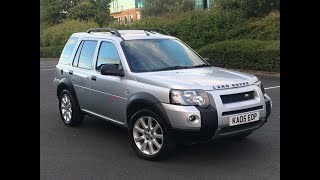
(107, 54)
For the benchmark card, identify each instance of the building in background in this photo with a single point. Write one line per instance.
(203, 4)
(126, 11)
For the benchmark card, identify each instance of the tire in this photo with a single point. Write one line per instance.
(66, 103)
(239, 137)
(146, 138)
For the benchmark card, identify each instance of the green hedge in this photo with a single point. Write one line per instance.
(200, 28)
(244, 54)
(51, 51)
(267, 28)
(225, 36)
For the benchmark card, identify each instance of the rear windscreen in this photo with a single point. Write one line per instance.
(65, 57)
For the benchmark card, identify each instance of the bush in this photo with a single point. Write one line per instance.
(147, 22)
(200, 28)
(161, 7)
(59, 34)
(266, 28)
(244, 54)
(196, 28)
(226, 36)
(51, 51)
(250, 8)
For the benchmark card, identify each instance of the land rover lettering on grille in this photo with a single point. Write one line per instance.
(233, 85)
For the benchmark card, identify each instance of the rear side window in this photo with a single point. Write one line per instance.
(65, 57)
(76, 58)
(85, 53)
(108, 54)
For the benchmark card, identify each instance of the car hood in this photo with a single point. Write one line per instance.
(208, 78)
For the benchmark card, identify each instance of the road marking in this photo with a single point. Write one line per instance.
(48, 69)
(272, 87)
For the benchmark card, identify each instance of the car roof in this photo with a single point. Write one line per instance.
(125, 34)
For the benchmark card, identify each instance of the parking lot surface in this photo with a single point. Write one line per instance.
(100, 150)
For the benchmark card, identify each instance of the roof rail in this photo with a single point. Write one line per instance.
(111, 30)
(153, 29)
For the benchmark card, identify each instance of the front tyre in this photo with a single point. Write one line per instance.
(70, 112)
(149, 137)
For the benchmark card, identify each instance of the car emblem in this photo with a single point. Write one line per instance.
(246, 95)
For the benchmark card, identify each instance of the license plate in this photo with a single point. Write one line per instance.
(243, 118)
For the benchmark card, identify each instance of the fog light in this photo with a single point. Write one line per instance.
(193, 119)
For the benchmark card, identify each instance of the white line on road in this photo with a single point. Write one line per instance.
(48, 69)
(272, 87)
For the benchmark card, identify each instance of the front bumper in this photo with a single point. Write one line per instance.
(214, 120)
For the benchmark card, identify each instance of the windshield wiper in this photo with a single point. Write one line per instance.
(173, 68)
(201, 65)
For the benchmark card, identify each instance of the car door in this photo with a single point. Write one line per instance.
(108, 92)
(81, 70)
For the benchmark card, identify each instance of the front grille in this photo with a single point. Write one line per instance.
(231, 98)
(241, 111)
(240, 127)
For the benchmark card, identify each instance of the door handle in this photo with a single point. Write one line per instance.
(70, 72)
(94, 78)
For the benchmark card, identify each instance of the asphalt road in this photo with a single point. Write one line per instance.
(99, 150)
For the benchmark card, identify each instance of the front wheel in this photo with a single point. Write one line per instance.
(149, 137)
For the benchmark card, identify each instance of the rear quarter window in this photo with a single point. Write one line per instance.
(65, 57)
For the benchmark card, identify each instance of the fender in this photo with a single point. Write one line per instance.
(147, 100)
(65, 83)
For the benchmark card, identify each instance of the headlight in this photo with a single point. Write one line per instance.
(259, 84)
(190, 97)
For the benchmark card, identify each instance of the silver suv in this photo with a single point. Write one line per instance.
(158, 88)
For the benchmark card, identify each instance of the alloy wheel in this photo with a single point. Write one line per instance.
(66, 108)
(148, 135)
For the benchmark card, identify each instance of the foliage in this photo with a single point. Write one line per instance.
(84, 11)
(231, 34)
(51, 51)
(59, 34)
(267, 28)
(244, 54)
(160, 7)
(199, 28)
(250, 8)
(96, 10)
(53, 12)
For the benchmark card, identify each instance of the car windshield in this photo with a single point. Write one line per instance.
(150, 55)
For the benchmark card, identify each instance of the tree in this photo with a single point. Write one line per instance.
(54, 11)
(84, 11)
(96, 10)
(160, 7)
(102, 16)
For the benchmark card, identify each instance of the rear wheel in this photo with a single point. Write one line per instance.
(149, 137)
(70, 111)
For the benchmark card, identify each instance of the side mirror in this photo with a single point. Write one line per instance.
(112, 69)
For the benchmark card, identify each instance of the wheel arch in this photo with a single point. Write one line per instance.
(142, 100)
(65, 83)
